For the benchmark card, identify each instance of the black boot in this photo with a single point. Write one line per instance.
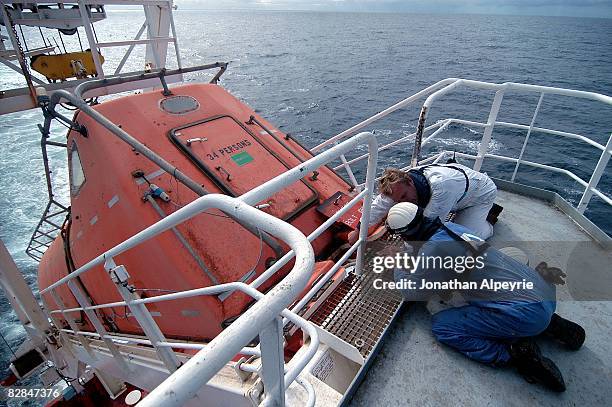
(534, 367)
(567, 332)
(494, 213)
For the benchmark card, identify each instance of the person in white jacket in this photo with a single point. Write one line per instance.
(440, 189)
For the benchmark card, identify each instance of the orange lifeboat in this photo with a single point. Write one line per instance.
(223, 145)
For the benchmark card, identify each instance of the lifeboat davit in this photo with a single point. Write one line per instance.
(223, 145)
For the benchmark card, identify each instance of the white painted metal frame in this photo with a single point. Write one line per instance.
(153, 40)
(161, 30)
(446, 86)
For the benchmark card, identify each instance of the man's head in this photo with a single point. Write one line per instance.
(404, 219)
(397, 185)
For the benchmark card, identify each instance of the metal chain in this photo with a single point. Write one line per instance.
(20, 49)
(21, 55)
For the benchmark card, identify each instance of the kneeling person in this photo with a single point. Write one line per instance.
(439, 190)
(496, 327)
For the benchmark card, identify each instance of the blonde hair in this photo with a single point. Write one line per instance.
(390, 177)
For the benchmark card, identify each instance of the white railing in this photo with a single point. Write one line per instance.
(446, 86)
(263, 318)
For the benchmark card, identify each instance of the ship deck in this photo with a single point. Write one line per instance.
(413, 369)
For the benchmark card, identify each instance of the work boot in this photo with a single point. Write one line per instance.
(535, 368)
(567, 332)
(494, 213)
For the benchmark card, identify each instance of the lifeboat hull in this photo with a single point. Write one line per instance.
(223, 145)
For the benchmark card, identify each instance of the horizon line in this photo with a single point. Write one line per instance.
(264, 10)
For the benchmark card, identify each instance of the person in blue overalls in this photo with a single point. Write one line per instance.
(497, 327)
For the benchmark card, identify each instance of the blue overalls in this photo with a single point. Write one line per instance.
(483, 329)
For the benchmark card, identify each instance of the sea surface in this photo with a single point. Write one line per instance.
(316, 74)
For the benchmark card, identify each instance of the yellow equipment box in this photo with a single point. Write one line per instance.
(64, 66)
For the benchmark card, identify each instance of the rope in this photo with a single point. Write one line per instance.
(56, 44)
(43, 37)
(178, 198)
(62, 41)
(95, 35)
(23, 39)
(7, 344)
(260, 252)
(79, 37)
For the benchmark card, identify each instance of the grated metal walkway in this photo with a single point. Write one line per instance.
(355, 311)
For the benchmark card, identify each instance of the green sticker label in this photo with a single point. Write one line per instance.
(242, 158)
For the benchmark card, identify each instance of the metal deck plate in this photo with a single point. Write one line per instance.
(357, 312)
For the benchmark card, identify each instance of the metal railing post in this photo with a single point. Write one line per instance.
(186, 382)
(72, 323)
(533, 119)
(93, 45)
(95, 321)
(367, 201)
(174, 37)
(153, 16)
(416, 150)
(349, 171)
(596, 176)
(120, 276)
(486, 138)
(64, 337)
(273, 366)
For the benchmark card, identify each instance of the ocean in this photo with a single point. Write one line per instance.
(316, 74)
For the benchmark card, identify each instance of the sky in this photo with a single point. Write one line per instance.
(573, 8)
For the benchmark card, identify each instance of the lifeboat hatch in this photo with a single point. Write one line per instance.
(237, 161)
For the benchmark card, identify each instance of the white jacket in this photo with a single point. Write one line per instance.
(447, 188)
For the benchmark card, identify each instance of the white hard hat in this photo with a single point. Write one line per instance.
(401, 215)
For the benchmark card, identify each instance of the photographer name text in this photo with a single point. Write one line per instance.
(486, 284)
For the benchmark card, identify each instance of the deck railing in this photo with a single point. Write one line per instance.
(263, 319)
(444, 87)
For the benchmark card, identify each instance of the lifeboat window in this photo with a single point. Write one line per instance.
(77, 176)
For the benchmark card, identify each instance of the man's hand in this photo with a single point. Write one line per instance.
(374, 233)
(553, 275)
